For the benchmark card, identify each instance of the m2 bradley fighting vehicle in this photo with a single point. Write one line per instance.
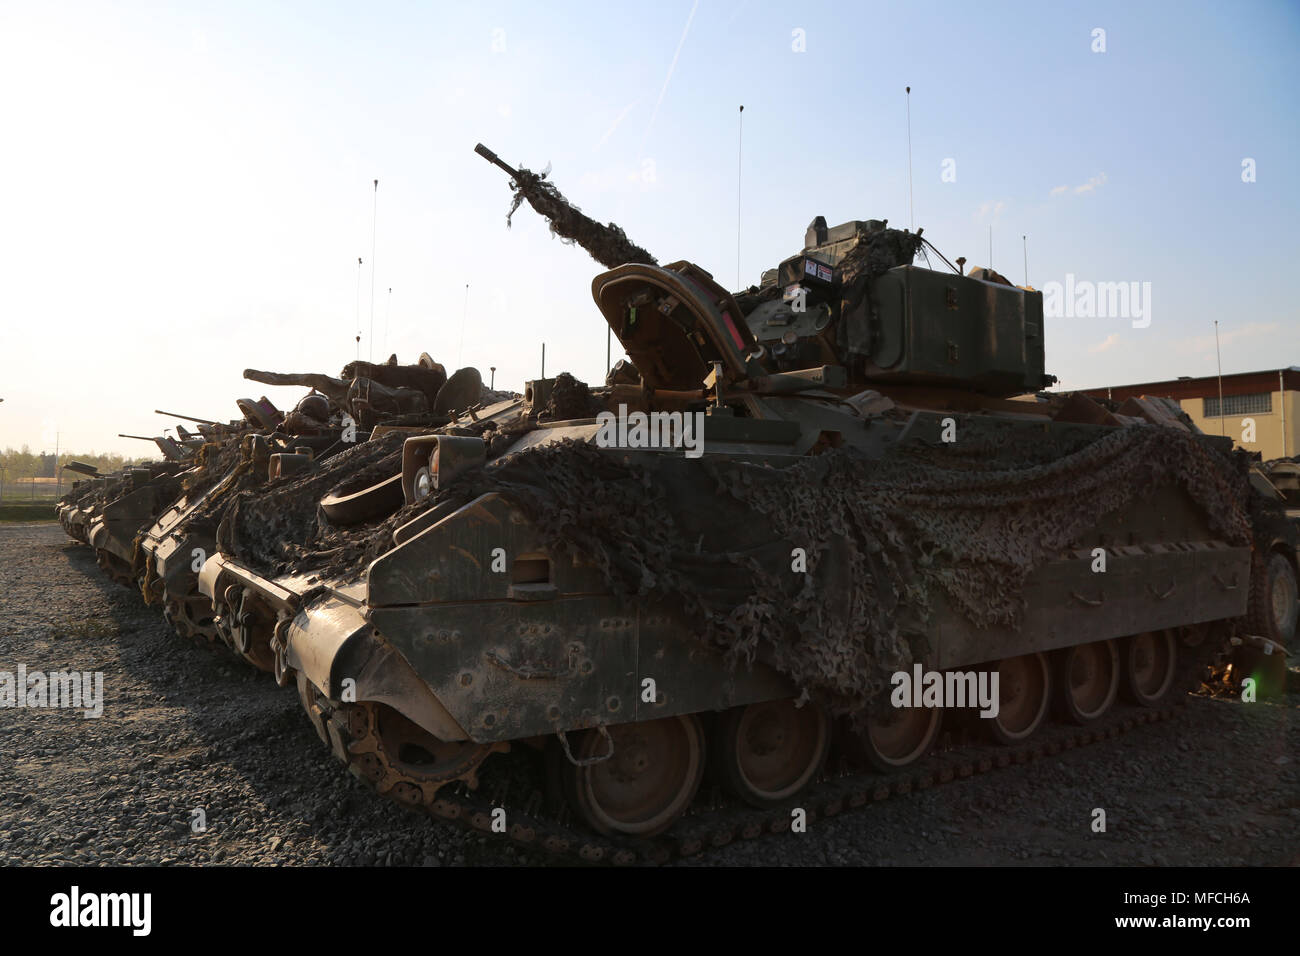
(719, 566)
(107, 510)
(151, 525)
(336, 415)
(85, 502)
(111, 511)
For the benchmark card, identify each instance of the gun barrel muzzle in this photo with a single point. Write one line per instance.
(495, 160)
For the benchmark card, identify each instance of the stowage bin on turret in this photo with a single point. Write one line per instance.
(854, 297)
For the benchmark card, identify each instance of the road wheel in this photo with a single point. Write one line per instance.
(1087, 680)
(647, 782)
(767, 753)
(1150, 663)
(1273, 600)
(900, 736)
(1024, 691)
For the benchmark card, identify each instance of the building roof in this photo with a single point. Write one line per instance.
(1237, 383)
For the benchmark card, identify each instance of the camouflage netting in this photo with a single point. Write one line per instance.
(873, 255)
(608, 245)
(229, 474)
(284, 532)
(714, 538)
(281, 529)
(215, 461)
(570, 400)
(877, 252)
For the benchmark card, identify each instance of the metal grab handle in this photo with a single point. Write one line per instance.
(1157, 595)
(587, 761)
(1101, 598)
(1224, 584)
(280, 650)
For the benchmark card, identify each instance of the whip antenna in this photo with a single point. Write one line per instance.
(374, 221)
(358, 308)
(1219, 362)
(740, 142)
(911, 212)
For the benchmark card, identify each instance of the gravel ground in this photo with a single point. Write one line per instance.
(185, 728)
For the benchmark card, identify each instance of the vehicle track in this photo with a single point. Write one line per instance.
(715, 821)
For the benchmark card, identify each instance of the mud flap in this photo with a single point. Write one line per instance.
(332, 642)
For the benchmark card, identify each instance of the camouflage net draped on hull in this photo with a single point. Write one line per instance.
(714, 538)
(214, 462)
(282, 530)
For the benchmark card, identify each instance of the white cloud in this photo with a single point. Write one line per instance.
(1106, 343)
(1093, 184)
(991, 208)
(1205, 343)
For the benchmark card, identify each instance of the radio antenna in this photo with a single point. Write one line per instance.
(740, 141)
(911, 212)
(358, 308)
(374, 223)
(1218, 361)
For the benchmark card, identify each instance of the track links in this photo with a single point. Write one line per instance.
(715, 821)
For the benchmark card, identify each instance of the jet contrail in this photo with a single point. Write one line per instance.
(669, 78)
(617, 120)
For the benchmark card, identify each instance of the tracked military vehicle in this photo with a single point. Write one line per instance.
(567, 619)
(76, 508)
(106, 511)
(153, 525)
(339, 414)
(174, 546)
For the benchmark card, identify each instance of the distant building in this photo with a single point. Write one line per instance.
(1268, 401)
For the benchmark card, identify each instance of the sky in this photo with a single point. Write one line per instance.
(185, 189)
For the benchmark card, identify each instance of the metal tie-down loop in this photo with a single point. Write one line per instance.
(587, 761)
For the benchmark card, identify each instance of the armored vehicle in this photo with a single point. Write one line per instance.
(338, 414)
(749, 560)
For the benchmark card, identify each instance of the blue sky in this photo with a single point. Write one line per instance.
(185, 188)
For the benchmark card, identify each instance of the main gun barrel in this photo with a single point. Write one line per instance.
(188, 418)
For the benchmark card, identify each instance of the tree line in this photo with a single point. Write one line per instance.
(23, 464)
